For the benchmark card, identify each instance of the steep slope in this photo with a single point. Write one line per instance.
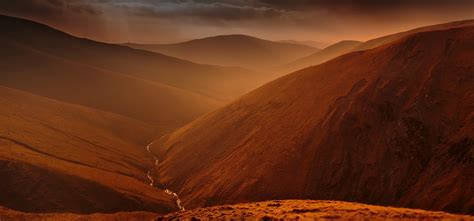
(309, 210)
(389, 126)
(350, 46)
(56, 157)
(233, 50)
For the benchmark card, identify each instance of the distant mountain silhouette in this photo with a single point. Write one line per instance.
(233, 50)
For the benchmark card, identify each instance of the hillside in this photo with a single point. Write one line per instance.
(345, 47)
(233, 50)
(133, 83)
(387, 126)
(57, 157)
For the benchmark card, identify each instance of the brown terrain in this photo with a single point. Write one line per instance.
(393, 125)
(130, 82)
(345, 47)
(233, 50)
(12, 215)
(309, 210)
(57, 157)
(267, 210)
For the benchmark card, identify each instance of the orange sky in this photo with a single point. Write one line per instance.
(159, 21)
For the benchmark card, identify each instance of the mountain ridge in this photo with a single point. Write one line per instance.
(283, 134)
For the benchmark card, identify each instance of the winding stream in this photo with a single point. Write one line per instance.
(152, 182)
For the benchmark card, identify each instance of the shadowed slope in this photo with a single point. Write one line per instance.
(233, 50)
(390, 126)
(56, 157)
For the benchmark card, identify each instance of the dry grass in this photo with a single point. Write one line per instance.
(59, 157)
(309, 210)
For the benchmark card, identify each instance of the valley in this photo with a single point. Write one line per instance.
(208, 115)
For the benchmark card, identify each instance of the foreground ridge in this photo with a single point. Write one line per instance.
(309, 210)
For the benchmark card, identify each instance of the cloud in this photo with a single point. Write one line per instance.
(157, 20)
(48, 7)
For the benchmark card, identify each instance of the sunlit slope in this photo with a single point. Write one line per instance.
(57, 157)
(390, 126)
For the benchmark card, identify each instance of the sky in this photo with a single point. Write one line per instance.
(166, 21)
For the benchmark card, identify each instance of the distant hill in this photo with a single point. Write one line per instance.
(314, 44)
(322, 56)
(161, 90)
(345, 47)
(233, 50)
(393, 125)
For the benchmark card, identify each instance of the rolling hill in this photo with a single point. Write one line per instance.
(233, 50)
(58, 157)
(389, 126)
(345, 47)
(155, 88)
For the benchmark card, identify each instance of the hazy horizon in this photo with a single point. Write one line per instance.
(171, 21)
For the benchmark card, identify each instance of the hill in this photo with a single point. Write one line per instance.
(314, 44)
(233, 50)
(345, 47)
(57, 157)
(388, 126)
(133, 83)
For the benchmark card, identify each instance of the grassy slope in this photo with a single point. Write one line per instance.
(57, 157)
